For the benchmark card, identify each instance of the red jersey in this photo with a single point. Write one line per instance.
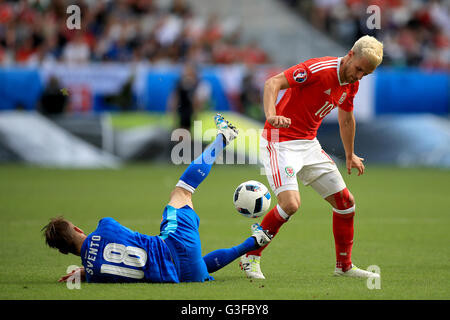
(315, 89)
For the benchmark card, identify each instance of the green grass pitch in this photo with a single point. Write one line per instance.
(402, 225)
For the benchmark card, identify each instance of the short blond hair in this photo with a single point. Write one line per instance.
(370, 48)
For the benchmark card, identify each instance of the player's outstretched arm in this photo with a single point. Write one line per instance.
(271, 89)
(81, 274)
(347, 127)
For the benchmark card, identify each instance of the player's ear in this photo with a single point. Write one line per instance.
(350, 53)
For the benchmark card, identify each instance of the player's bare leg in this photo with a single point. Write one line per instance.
(288, 204)
(179, 197)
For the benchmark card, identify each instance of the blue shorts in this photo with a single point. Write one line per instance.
(179, 230)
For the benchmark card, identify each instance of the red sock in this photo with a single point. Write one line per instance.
(343, 238)
(272, 222)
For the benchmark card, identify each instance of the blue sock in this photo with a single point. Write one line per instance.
(199, 169)
(218, 259)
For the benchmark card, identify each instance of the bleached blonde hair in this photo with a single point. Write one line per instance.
(370, 48)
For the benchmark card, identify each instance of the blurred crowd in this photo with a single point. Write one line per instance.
(414, 32)
(36, 32)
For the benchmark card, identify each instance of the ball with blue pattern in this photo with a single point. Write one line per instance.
(251, 199)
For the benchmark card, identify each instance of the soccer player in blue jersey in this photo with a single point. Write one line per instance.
(114, 253)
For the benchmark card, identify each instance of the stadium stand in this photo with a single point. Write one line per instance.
(127, 57)
(35, 32)
(414, 32)
(284, 35)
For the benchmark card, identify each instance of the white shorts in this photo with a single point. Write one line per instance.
(285, 161)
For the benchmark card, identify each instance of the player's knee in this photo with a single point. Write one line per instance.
(289, 201)
(343, 200)
(290, 205)
(290, 208)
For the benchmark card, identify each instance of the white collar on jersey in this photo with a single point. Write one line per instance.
(338, 67)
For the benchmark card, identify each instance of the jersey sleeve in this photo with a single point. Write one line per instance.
(347, 105)
(298, 75)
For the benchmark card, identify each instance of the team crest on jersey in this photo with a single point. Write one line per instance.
(300, 75)
(289, 171)
(344, 95)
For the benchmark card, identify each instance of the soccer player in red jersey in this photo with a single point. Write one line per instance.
(289, 147)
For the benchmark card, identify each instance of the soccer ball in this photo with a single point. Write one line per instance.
(251, 199)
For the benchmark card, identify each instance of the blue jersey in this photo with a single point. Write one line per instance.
(114, 253)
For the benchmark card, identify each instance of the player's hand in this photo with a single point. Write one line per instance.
(279, 121)
(69, 276)
(355, 162)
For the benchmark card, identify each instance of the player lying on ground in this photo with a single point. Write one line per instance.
(290, 149)
(114, 253)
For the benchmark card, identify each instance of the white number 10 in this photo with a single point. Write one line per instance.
(129, 256)
(326, 109)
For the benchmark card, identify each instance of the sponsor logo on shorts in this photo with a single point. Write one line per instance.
(300, 75)
(289, 171)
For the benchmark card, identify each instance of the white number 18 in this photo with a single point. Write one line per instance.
(127, 255)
